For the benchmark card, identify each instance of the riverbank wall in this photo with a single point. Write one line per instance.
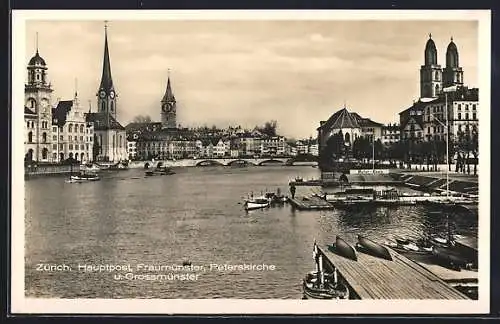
(50, 170)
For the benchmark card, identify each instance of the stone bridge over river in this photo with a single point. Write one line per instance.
(220, 162)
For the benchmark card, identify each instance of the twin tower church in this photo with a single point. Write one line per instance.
(433, 78)
(66, 130)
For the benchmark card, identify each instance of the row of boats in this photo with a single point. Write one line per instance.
(161, 170)
(386, 195)
(264, 200)
(325, 282)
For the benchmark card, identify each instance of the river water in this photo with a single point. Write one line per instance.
(195, 215)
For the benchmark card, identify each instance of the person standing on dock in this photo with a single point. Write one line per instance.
(292, 190)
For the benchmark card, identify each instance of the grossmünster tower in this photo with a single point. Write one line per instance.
(432, 77)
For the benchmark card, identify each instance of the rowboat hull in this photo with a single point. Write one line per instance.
(370, 247)
(251, 205)
(344, 249)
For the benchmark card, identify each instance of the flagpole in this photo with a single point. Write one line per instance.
(373, 153)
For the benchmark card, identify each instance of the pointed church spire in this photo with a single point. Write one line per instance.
(36, 42)
(106, 80)
(169, 96)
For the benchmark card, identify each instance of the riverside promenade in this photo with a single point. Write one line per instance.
(50, 170)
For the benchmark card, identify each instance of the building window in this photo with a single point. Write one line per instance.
(70, 138)
(81, 128)
(466, 107)
(54, 156)
(44, 137)
(459, 106)
(54, 129)
(70, 128)
(81, 138)
(474, 107)
(70, 146)
(82, 147)
(54, 137)
(459, 116)
(61, 138)
(30, 137)
(474, 116)
(54, 146)
(467, 116)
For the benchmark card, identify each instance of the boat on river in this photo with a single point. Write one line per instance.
(159, 171)
(409, 247)
(113, 166)
(257, 203)
(320, 284)
(84, 177)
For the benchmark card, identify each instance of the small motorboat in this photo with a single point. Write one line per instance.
(452, 258)
(441, 241)
(164, 171)
(371, 247)
(343, 248)
(84, 177)
(321, 285)
(314, 288)
(409, 248)
(257, 203)
(149, 173)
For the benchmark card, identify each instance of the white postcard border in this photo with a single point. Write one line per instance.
(21, 304)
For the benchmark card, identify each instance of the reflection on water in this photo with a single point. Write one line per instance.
(195, 215)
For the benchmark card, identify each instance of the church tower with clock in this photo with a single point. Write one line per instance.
(106, 95)
(38, 111)
(110, 144)
(168, 108)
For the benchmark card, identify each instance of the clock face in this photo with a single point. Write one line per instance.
(102, 94)
(44, 104)
(112, 94)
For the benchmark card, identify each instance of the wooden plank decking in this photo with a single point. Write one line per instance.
(310, 203)
(376, 278)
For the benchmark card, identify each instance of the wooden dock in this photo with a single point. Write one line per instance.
(400, 278)
(310, 203)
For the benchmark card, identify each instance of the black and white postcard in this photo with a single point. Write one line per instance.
(251, 162)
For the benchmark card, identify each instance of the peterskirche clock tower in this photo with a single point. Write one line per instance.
(106, 95)
(168, 108)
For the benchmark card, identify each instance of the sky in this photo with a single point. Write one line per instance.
(248, 72)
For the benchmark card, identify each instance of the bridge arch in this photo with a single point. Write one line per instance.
(271, 161)
(208, 163)
(240, 162)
